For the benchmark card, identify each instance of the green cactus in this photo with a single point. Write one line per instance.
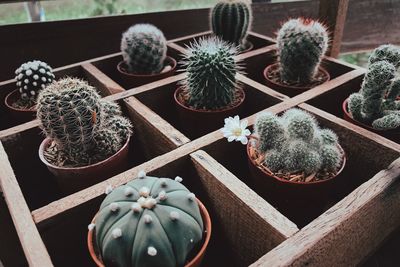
(148, 222)
(230, 20)
(389, 53)
(211, 69)
(271, 132)
(144, 49)
(331, 157)
(299, 156)
(73, 115)
(300, 125)
(301, 45)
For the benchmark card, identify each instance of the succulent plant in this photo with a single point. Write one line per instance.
(271, 131)
(73, 115)
(376, 103)
(301, 45)
(148, 222)
(211, 69)
(230, 20)
(144, 49)
(32, 77)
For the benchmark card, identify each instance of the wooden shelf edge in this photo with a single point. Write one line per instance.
(262, 88)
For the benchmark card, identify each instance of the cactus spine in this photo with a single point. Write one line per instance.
(144, 49)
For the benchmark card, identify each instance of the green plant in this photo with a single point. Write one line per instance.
(144, 49)
(230, 20)
(211, 68)
(106, 7)
(85, 128)
(388, 52)
(148, 222)
(301, 45)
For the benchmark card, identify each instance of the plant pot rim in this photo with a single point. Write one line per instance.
(208, 228)
(47, 140)
(180, 88)
(171, 60)
(291, 182)
(7, 103)
(299, 88)
(249, 47)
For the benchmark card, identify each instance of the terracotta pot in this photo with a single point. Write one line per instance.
(134, 80)
(195, 262)
(72, 179)
(289, 90)
(393, 134)
(18, 115)
(199, 122)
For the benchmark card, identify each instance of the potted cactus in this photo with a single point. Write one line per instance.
(31, 77)
(377, 106)
(210, 91)
(151, 222)
(144, 52)
(87, 138)
(302, 44)
(230, 21)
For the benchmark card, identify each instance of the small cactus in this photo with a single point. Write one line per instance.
(230, 20)
(389, 53)
(144, 49)
(301, 45)
(148, 222)
(271, 132)
(211, 69)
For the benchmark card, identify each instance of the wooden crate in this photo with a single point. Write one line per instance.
(248, 229)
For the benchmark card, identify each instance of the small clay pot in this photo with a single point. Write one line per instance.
(198, 122)
(393, 134)
(195, 262)
(134, 80)
(72, 179)
(290, 90)
(18, 115)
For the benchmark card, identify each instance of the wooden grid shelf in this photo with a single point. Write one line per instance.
(249, 230)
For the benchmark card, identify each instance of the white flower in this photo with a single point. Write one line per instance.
(235, 130)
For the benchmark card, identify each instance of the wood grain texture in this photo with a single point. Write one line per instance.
(347, 232)
(100, 80)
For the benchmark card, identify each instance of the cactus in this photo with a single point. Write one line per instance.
(148, 222)
(73, 115)
(389, 53)
(230, 20)
(144, 49)
(301, 45)
(301, 157)
(32, 77)
(271, 132)
(211, 69)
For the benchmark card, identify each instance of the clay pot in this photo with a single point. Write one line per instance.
(195, 262)
(393, 134)
(133, 80)
(18, 115)
(289, 90)
(72, 179)
(198, 122)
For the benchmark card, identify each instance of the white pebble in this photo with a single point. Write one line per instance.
(117, 232)
(174, 215)
(178, 179)
(142, 174)
(152, 251)
(147, 218)
(114, 207)
(108, 190)
(128, 192)
(91, 226)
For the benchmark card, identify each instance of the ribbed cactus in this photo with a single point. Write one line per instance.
(73, 115)
(375, 104)
(32, 77)
(301, 45)
(294, 143)
(144, 49)
(211, 69)
(230, 20)
(148, 222)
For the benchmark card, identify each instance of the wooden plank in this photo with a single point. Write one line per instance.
(349, 231)
(101, 81)
(32, 244)
(262, 88)
(265, 226)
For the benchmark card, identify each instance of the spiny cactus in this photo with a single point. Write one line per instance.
(389, 53)
(270, 130)
(144, 49)
(32, 77)
(148, 222)
(211, 69)
(230, 20)
(301, 45)
(73, 115)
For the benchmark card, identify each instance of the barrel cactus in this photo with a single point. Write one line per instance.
(301, 45)
(85, 128)
(230, 20)
(376, 103)
(144, 49)
(211, 68)
(149, 221)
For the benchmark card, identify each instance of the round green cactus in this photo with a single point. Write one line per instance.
(148, 222)
(300, 157)
(271, 132)
(274, 160)
(331, 158)
(388, 52)
(300, 125)
(144, 49)
(328, 137)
